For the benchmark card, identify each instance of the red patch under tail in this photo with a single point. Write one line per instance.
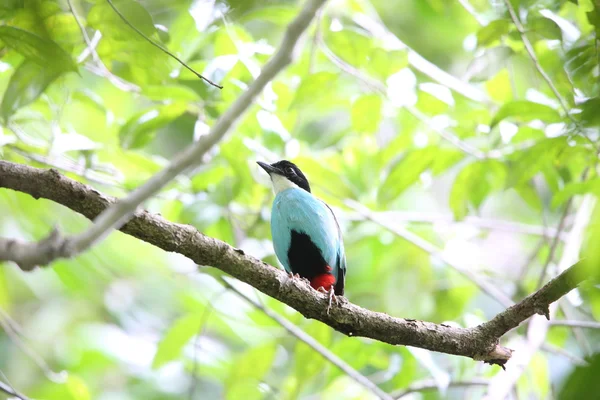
(326, 281)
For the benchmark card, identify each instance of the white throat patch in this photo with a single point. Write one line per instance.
(281, 183)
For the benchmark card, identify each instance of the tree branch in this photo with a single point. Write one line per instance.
(116, 215)
(480, 342)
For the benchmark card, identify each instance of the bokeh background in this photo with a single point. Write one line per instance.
(462, 177)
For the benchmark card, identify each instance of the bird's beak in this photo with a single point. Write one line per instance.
(267, 167)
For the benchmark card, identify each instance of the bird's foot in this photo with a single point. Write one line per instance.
(291, 275)
(331, 295)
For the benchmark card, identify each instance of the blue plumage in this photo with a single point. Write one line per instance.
(306, 235)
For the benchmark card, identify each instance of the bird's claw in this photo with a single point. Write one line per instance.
(331, 295)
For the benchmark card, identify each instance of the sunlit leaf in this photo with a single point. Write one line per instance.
(247, 371)
(102, 17)
(545, 27)
(493, 32)
(589, 115)
(26, 84)
(529, 194)
(574, 188)
(351, 46)
(178, 335)
(277, 14)
(313, 87)
(474, 183)
(366, 113)
(406, 172)
(42, 51)
(77, 387)
(141, 128)
(524, 111)
(383, 63)
(173, 93)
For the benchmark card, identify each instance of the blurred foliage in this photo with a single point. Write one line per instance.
(468, 164)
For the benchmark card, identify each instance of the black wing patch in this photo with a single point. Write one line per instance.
(304, 256)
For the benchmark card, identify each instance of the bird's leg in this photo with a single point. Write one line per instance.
(331, 295)
(291, 275)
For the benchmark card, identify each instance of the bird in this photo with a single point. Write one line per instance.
(306, 235)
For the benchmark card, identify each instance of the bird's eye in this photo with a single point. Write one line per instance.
(290, 171)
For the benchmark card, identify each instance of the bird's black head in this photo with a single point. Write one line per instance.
(288, 170)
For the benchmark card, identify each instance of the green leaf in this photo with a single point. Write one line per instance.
(77, 388)
(42, 51)
(107, 21)
(589, 115)
(493, 32)
(170, 92)
(172, 343)
(312, 87)
(582, 381)
(140, 129)
(527, 163)
(306, 367)
(277, 14)
(383, 63)
(247, 371)
(26, 84)
(573, 188)
(351, 46)
(405, 173)
(524, 111)
(227, 41)
(474, 183)
(530, 195)
(9, 7)
(545, 27)
(444, 159)
(366, 113)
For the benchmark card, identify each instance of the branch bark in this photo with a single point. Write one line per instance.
(480, 342)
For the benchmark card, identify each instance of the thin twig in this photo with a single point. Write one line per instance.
(312, 343)
(158, 46)
(578, 332)
(431, 384)
(559, 351)
(578, 324)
